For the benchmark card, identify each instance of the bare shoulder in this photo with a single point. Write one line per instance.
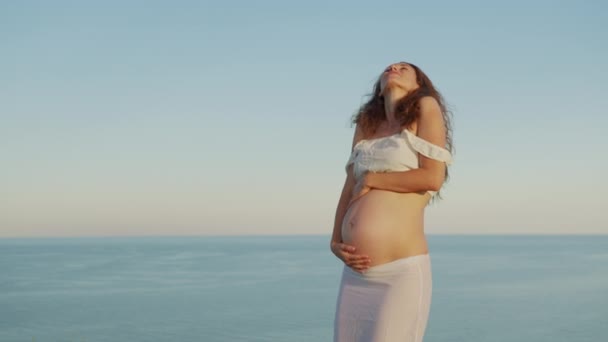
(431, 122)
(429, 104)
(430, 111)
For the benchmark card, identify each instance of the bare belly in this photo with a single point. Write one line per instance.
(386, 225)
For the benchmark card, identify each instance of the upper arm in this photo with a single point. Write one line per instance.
(431, 127)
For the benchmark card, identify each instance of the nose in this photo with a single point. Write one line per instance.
(393, 68)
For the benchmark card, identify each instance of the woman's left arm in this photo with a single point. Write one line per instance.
(431, 173)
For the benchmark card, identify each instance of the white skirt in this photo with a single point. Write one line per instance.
(389, 302)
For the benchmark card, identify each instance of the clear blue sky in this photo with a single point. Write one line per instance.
(189, 117)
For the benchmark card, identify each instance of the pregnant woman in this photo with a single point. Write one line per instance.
(400, 152)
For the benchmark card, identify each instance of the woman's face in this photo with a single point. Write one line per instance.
(400, 75)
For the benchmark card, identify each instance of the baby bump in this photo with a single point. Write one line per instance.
(386, 225)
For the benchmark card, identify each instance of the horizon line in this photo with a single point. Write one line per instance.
(284, 235)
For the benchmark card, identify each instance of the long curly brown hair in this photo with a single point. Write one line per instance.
(407, 111)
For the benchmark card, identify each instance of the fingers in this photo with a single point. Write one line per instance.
(360, 266)
(347, 248)
(358, 262)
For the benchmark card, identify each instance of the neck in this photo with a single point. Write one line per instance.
(391, 97)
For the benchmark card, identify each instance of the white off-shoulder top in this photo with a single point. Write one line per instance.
(397, 152)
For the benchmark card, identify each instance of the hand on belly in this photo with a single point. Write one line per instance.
(384, 225)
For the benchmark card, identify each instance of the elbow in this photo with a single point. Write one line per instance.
(434, 187)
(435, 183)
(435, 176)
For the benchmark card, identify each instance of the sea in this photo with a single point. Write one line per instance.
(486, 288)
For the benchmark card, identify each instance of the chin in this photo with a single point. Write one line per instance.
(391, 87)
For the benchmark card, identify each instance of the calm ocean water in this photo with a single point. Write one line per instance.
(283, 288)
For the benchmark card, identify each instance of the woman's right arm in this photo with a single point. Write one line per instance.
(345, 198)
(346, 194)
(346, 253)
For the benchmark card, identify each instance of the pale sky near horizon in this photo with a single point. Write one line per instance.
(209, 118)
